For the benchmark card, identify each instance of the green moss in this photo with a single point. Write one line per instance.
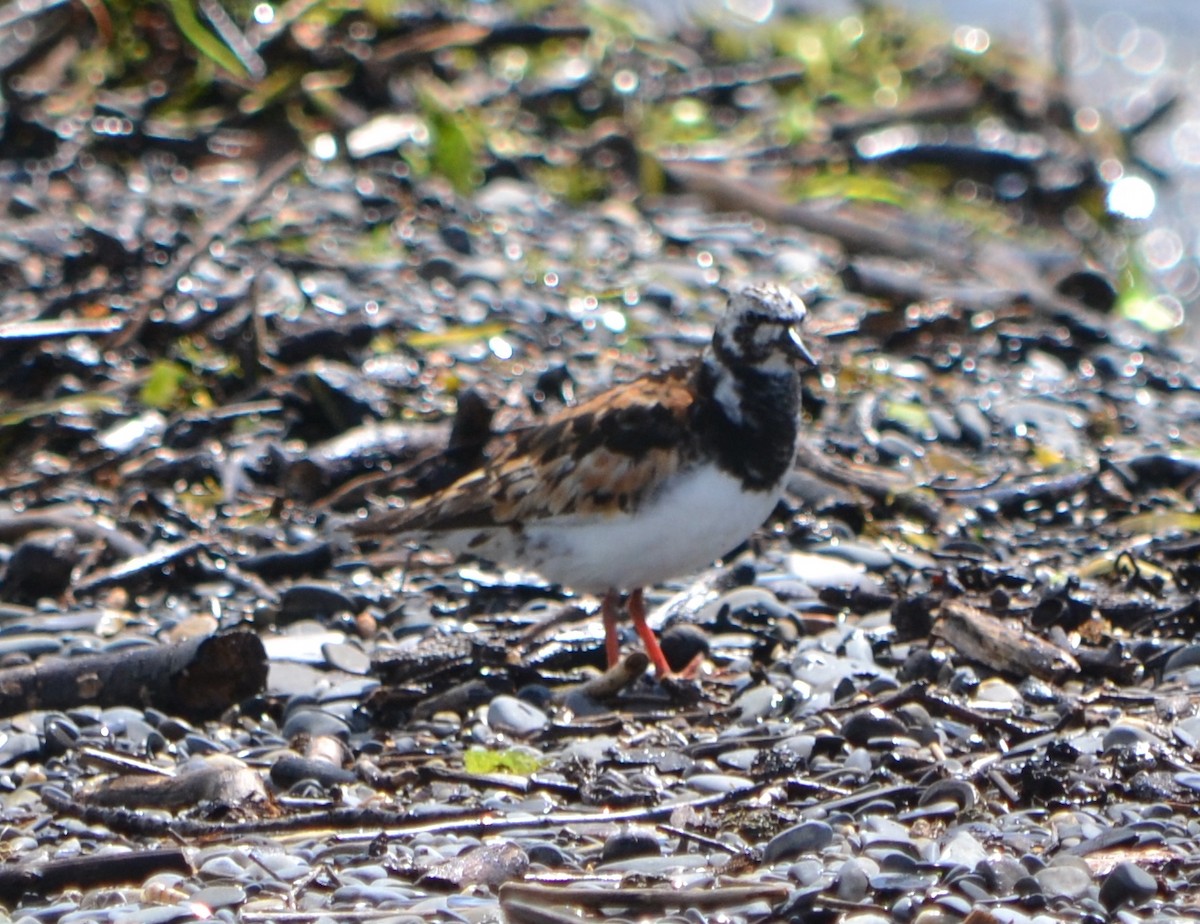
(517, 762)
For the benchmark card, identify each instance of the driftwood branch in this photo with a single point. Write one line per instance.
(198, 678)
(1002, 644)
(107, 869)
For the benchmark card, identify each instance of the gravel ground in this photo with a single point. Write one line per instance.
(952, 678)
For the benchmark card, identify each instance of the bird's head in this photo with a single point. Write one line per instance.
(761, 328)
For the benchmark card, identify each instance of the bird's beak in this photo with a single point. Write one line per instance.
(796, 347)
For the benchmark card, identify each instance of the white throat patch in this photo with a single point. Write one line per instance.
(727, 393)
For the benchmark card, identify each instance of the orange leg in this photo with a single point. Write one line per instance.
(637, 612)
(608, 612)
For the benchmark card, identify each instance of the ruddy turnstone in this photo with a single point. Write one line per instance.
(650, 479)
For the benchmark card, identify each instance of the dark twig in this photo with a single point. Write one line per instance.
(108, 869)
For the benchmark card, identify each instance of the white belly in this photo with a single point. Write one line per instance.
(705, 515)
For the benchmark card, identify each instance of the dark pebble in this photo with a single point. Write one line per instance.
(865, 727)
(1001, 874)
(314, 722)
(902, 882)
(976, 431)
(806, 837)
(1125, 736)
(60, 733)
(439, 268)
(30, 646)
(456, 238)
(892, 446)
(958, 906)
(1063, 881)
(630, 842)
(973, 888)
(290, 769)
(1127, 884)
(537, 695)
(681, 644)
(852, 882)
(894, 861)
(313, 558)
(313, 601)
(964, 681)
(870, 557)
(20, 746)
(549, 856)
(40, 568)
(195, 745)
(960, 792)
(513, 716)
(948, 429)
(346, 657)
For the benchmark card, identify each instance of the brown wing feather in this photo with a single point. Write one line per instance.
(599, 457)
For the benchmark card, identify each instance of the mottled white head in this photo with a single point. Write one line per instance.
(761, 330)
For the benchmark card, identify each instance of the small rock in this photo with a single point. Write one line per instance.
(852, 882)
(806, 837)
(682, 644)
(630, 842)
(1127, 884)
(489, 865)
(515, 717)
(1063, 881)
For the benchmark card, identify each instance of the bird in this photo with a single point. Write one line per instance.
(648, 480)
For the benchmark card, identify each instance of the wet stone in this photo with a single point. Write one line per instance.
(806, 837)
(40, 568)
(61, 734)
(893, 446)
(853, 881)
(741, 759)
(1188, 731)
(1060, 881)
(717, 782)
(14, 649)
(976, 430)
(17, 747)
(513, 716)
(962, 850)
(219, 896)
(630, 842)
(314, 601)
(1126, 736)
(289, 770)
(759, 702)
(456, 238)
(958, 792)
(863, 728)
(807, 873)
(549, 855)
(347, 657)
(489, 866)
(1181, 659)
(682, 644)
(314, 722)
(1127, 884)
(871, 558)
